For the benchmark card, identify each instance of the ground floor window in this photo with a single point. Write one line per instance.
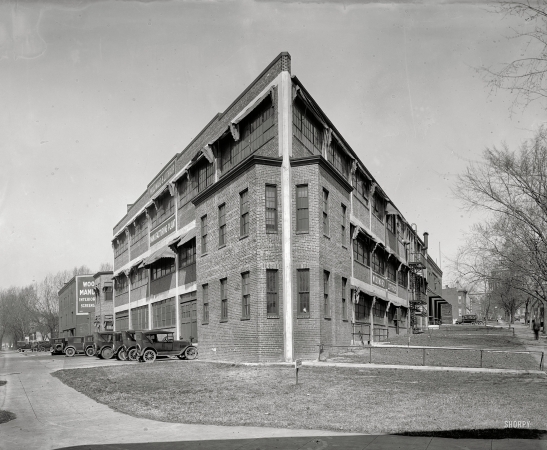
(362, 308)
(139, 318)
(122, 321)
(164, 313)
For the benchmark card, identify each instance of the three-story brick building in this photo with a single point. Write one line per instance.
(267, 235)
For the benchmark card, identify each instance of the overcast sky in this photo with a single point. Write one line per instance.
(97, 96)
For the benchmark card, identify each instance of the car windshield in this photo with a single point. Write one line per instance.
(106, 337)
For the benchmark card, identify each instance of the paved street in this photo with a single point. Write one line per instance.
(51, 415)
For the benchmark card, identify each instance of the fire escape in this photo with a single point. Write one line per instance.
(417, 264)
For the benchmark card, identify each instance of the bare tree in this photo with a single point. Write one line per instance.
(106, 267)
(525, 76)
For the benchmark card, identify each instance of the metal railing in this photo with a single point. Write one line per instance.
(425, 349)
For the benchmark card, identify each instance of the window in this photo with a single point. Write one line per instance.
(390, 223)
(108, 294)
(378, 264)
(224, 299)
(338, 158)
(140, 229)
(165, 208)
(121, 285)
(379, 309)
(187, 254)
(343, 227)
(244, 213)
(164, 313)
(378, 207)
(403, 278)
(254, 131)
(222, 225)
(362, 308)
(302, 209)
(204, 235)
(326, 304)
(325, 212)
(392, 272)
(272, 307)
(245, 296)
(139, 318)
(204, 176)
(162, 268)
(307, 129)
(304, 292)
(121, 245)
(361, 252)
(205, 299)
(361, 185)
(344, 303)
(185, 190)
(139, 278)
(271, 209)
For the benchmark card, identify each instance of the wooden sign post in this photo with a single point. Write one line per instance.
(297, 365)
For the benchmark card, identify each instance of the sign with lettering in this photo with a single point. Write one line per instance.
(378, 281)
(392, 287)
(165, 229)
(85, 294)
(161, 179)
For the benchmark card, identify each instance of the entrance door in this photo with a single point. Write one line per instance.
(188, 321)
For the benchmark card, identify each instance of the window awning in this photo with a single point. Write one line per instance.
(173, 241)
(165, 252)
(390, 209)
(257, 101)
(185, 238)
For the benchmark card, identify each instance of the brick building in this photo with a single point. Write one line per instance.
(458, 298)
(76, 306)
(104, 304)
(267, 235)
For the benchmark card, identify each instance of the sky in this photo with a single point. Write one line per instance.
(96, 96)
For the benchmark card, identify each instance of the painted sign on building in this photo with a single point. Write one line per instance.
(378, 281)
(85, 294)
(161, 179)
(165, 229)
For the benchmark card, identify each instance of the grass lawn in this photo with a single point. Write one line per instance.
(437, 357)
(5, 416)
(341, 399)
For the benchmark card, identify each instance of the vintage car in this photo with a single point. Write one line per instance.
(118, 349)
(79, 344)
(44, 346)
(103, 344)
(58, 346)
(129, 344)
(23, 345)
(154, 343)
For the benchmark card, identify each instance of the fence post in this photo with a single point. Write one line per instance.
(513, 331)
(481, 358)
(541, 362)
(320, 351)
(370, 355)
(423, 363)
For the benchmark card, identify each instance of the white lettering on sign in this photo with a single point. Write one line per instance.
(86, 292)
(164, 229)
(378, 281)
(88, 283)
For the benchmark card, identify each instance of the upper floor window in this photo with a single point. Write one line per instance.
(139, 277)
(121, 245)
(121, 285)
(186, 190)
(361, 184)
(325, 212)
(254, 131)
(390, 222)
(244, 213)
(362, 308)
(361, 251)
(222, 225)
(307, 129)
(187, 254)
(392, 271)
(378, 263)
(379, 309)
(271, 209)
(326, 301)
(204, 235)
(204, 175)
(162, 268)
(338, 158)
(343, 226)
(272, 307)
(378, 206)
(302, 209)
(165, 208)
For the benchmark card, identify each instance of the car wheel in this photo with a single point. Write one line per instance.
(90, 351)
(106, 353)
(132, 354)
(121, 355)
(191, 352)
(70, 352)
(149, 356)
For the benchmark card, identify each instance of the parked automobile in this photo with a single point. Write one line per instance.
(22, 346)
(76, 345)
(58, 346)
(44, 346)
(118, 349)
(103, 344)
(129, 344)
(154, 343)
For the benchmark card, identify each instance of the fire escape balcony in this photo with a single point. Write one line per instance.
(417, 260)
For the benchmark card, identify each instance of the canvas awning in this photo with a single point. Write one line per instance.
(186, 237)
(165, 252)
(250, 108)
(390, 209)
